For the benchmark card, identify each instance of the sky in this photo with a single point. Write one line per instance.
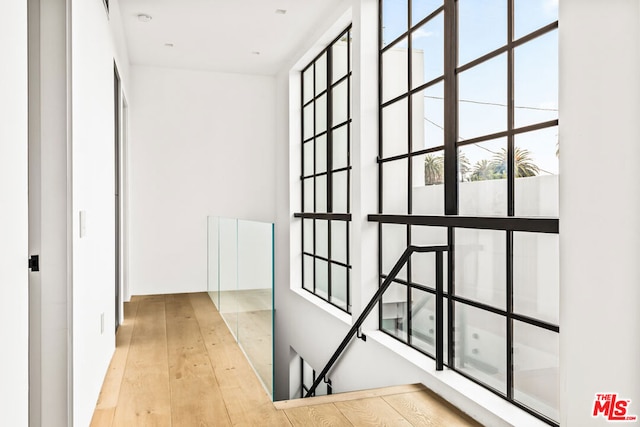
(482, 89)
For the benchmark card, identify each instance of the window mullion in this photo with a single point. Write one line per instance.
(511, 176)
(450, 109)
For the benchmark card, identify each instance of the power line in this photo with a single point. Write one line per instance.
(478, 144)
(469, 101)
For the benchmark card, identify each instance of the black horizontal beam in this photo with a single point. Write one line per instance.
(532, 225)
(328, 216)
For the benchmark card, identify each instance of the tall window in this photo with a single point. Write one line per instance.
(468, 158)
(326, 173)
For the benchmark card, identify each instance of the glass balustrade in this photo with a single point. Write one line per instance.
(240, 283)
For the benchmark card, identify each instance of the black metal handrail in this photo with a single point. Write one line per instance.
(377, 297)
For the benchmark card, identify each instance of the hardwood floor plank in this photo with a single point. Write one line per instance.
(177, 364)
(326, 415)
(427, 409)
(103, 417)
(113, 380)
(246, 400)
(144, 395)
(371, 412)
(351, 395)
(195, 396)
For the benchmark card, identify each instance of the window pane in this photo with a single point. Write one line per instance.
(321, 194)
(340, 103)
(339, 286)
(483, 99)
(536, 368)
(428, 188)
(427, 51)
(394, 243)
(536, 288)
(308, 158)
(394, 187)
(481, 266)
(322, 238)
(307, 123)
(321, 74)
(321, 154)
(395, 138)
(340, 192)
(482, 28)
(533, 14)
(308, 235)
(339, 58)
(308, 274)
(423, 324)
(308, 195)
(423, 268)
(427, 127)
(482, 170)
(395, 65)
(420, 9)
(339, 241)
(321, 114)
(307, 89)
(481, 351)
(536, 80)
(394, 19)
(322, 278)
(537, 167)
(340, 147)
(394, 311)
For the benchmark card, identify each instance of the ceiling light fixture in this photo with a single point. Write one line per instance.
(281, 11)
(143, 17)
(255, 52)
(168, 44)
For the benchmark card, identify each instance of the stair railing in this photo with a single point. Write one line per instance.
(377, 297)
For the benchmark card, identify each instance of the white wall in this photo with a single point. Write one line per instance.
(92, 107)
(14, 289)
(202, 143)
(599, 226)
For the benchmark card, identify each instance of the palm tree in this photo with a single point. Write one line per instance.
(433, 169)
(483, 170)
(524, 163)
(464, 167)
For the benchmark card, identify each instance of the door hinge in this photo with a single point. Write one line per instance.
(34, 262)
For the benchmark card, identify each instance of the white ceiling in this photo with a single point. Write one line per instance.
(219, 35)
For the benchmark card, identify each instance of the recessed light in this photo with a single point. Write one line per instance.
(143, 17)
(255, 52)
(281, 11)
(168, 44)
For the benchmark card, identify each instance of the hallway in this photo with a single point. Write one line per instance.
(177, 364)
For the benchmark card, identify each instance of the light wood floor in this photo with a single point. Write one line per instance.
(176, 364)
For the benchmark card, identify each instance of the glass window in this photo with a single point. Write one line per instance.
(326, 173)
(494, 109)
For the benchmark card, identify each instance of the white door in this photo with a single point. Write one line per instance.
(14, 273)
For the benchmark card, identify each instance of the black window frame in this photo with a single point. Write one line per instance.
(330, 216)
(451, 219)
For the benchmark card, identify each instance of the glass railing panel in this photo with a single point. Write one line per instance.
(213, 226)
(240, 279)
(255, 296)
(228, 272)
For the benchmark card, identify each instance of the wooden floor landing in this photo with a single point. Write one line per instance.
(177, 364)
